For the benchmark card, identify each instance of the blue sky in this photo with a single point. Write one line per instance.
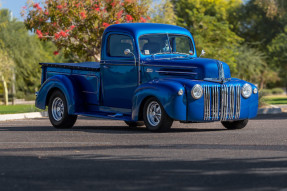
(14, 5)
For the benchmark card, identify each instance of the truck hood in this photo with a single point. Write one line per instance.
(195, 68)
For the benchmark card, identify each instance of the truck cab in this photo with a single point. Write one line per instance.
(149, 74)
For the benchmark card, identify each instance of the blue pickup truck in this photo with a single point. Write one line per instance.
(149, 74)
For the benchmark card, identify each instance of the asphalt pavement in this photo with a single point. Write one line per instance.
(108, 155)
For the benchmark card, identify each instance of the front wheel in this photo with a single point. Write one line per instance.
(155, 117)
(240, 124)
(58, 111)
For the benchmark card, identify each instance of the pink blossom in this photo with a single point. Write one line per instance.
(119, 14)
(129, 18)
(83, 15)
(37, 6)
(106, 25)
(143, 20)
(39, 33)
(57, 36)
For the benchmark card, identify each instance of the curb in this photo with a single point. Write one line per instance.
(32, 115)
(269, 111)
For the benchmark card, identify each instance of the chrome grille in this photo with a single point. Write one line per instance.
(221, 102)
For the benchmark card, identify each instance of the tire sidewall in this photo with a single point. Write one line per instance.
(148, 125)
(63, 98)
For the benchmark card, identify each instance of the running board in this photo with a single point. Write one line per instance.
(114, 116)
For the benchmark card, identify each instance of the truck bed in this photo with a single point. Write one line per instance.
(92, 66)
(85, 77)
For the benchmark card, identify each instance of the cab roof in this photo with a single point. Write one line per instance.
(138, 29)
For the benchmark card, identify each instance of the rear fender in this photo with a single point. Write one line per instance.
(166, 92)
(66, 86)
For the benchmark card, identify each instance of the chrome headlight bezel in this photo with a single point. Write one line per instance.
(255, 90)
(197, 91)
(246, 90)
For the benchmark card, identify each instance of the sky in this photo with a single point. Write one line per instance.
(14, 5)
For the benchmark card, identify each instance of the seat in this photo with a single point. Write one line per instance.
(152, 47)
(119, 48)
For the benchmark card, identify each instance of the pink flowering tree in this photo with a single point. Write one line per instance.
(76, 26)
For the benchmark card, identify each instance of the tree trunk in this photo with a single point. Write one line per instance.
(13, 87)
(5, 90)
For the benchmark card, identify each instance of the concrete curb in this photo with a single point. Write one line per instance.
(32, 115)
(269, 111)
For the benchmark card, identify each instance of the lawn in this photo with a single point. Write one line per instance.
(9, 109)
(275, 100)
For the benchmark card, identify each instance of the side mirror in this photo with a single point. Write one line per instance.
(127, 51)
(202, 53)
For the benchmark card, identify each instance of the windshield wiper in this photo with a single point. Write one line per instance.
(180, 53)
(161, 53)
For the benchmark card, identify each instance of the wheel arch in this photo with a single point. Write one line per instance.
(166, 92)
(63, 84)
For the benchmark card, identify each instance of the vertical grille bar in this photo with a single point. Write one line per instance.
(222, 102)
(226, 103)
(238, 102)
(204, 91)
(208, 89)
(231, 114)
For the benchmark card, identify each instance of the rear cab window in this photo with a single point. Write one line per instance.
(117, 44)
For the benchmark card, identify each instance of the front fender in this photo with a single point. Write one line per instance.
(166, 91)
(64, 84)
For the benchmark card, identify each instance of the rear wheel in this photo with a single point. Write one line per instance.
(134, 123)
(58, 111)
(240, 124)
(155, 117)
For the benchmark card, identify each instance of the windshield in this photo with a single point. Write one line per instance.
(165, 44)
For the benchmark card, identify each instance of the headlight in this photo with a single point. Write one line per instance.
(246, 91)
(180, 92)
(196, 91)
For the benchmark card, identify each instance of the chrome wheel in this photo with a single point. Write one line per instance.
(154, 113)
(57, 109)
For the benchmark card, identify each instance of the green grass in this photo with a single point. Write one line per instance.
(11, 109)
(275, 100)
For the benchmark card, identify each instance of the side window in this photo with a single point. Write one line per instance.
(117, 44)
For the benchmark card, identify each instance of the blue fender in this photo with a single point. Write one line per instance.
(166, 91)
(64, 84)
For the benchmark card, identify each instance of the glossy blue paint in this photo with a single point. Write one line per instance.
(166, 91)
(62, 83)
(112, 87)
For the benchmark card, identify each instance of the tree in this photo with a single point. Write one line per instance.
(208, 22)
(251, 66)
(6, 68)
(76, 26)
(277, 50)
(273, 8)
(251, 23)
(163, 12)
(26, 51)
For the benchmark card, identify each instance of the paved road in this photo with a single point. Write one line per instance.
(107, 155)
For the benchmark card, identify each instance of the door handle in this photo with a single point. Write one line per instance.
(105, 66)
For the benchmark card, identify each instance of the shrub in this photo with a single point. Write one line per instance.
(265, 92)
(277, 91)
